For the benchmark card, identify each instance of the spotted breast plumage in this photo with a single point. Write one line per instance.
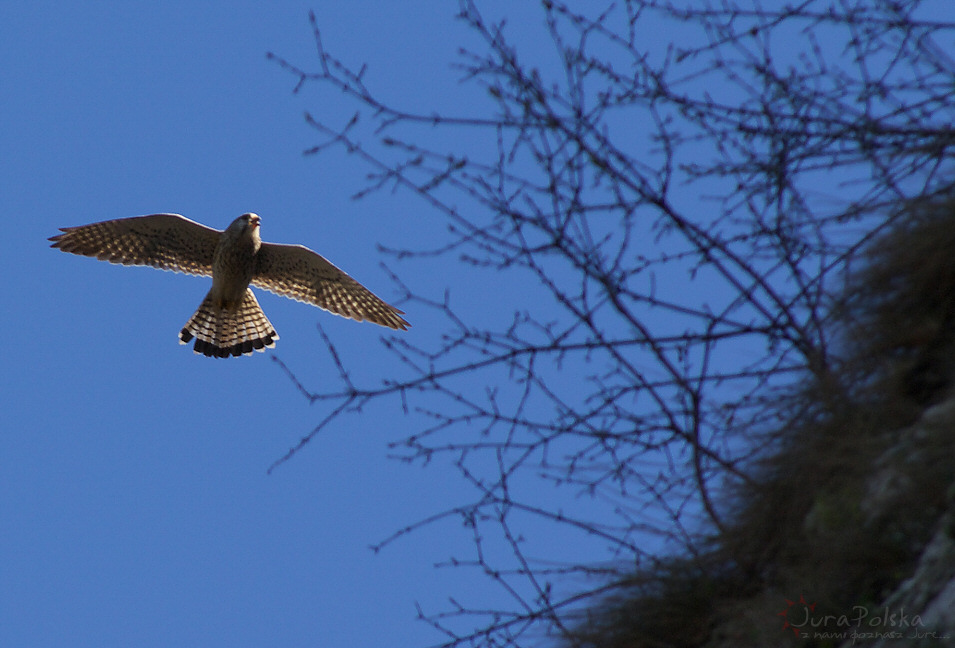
(229, 322)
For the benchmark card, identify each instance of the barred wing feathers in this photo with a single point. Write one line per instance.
(164, 241)
(296, 272)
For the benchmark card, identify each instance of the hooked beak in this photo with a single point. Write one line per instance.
(254, 221)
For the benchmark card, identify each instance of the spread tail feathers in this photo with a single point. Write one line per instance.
(224, 330)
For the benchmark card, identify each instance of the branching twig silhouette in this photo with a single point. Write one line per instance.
(685, 214)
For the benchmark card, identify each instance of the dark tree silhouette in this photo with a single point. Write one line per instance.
(684, 213)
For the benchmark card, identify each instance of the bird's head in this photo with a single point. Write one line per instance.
(246, 226)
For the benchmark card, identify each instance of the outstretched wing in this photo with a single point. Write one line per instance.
(297, 272)
(165, 241)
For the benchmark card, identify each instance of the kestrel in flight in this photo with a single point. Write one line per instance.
(229, 321)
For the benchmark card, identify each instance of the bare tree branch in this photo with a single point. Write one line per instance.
(685, 215)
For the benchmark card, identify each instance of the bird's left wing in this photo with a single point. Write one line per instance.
(295, 271)
(165, 241)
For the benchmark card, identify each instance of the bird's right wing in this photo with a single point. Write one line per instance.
(296, 272)
(165, 241)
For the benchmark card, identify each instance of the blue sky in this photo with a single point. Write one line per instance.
(135, 508)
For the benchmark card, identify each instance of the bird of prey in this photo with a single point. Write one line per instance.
(229, 322)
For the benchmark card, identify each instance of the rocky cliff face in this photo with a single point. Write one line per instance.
(901, 521)
(912, 482)
(920, 610)
(844, 535)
